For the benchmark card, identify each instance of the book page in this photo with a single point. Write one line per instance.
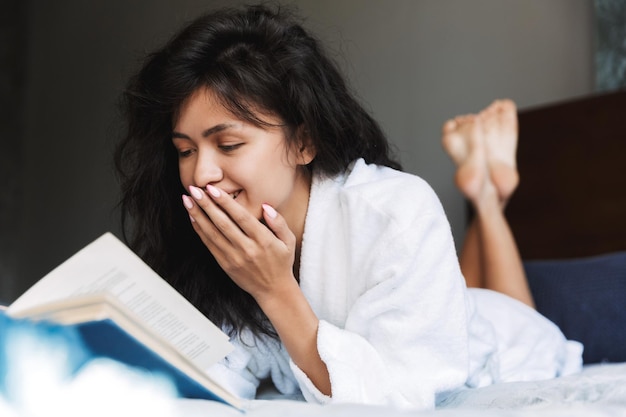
(107, 265)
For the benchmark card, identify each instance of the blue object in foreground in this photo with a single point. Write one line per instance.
(23, 342)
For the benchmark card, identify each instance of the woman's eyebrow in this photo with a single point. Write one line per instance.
(208, 132)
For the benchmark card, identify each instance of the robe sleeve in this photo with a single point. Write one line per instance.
(254, 359)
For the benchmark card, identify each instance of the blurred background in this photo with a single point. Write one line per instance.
(413, 63)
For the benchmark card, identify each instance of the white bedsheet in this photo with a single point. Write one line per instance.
(600, 390)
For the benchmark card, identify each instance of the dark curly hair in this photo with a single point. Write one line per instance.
(251, 58)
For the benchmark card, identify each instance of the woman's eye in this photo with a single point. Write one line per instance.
(183, 153)
(230, 148)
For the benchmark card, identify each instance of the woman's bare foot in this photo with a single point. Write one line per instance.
(454, 142)
(499, 122)
(463, 141)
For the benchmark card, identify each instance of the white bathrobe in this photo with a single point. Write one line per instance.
(397, 324)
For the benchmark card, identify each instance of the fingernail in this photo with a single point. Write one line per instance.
(192, 219)
(214, 191)
(196, 192)
(187, 201)
(269, 210)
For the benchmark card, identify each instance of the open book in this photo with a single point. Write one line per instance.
(123, 310)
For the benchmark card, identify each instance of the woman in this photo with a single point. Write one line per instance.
(334, 272)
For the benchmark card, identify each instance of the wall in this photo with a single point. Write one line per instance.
(414, 63)
(12, 58)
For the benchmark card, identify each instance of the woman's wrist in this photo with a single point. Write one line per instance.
(276, 300)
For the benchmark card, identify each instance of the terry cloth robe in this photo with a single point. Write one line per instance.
(397, 324)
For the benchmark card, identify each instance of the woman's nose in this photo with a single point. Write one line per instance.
(207, 169)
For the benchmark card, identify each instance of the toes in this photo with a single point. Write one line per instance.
(459, 135)
(507, 105)
(449, 126)
(455, 146)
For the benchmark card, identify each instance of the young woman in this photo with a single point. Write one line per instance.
(255, 183)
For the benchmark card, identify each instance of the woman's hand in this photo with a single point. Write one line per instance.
(260, 261)
(257, 258)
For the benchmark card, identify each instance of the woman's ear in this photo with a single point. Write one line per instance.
(306, 149)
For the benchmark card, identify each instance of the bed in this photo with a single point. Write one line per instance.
(567, 216)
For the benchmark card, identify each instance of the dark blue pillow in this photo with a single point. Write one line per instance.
(586, 298)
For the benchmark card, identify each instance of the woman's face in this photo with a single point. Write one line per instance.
(252, 164)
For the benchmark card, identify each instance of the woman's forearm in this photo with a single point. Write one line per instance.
(297, 325)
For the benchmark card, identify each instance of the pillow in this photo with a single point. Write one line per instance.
(586, 298)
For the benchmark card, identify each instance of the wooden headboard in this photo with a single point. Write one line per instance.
(571, 201)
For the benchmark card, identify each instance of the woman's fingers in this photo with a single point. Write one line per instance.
(237, 217)
(278, 225)
(226, 218)
(257, 257)
(210, 235)
(218, 217)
